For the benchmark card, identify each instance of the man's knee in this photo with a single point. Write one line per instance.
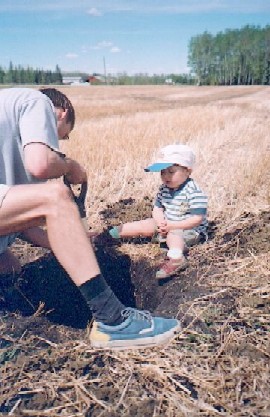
(58, 197)
(56, 193)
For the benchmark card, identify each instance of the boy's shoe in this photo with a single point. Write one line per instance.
(138, 331)
(105, 239)
(114, 233)
(171, 267)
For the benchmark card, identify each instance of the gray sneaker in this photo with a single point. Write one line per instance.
(139, 330)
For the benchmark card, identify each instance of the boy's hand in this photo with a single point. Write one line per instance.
(162, 227)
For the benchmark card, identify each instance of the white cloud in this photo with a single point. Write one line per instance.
(84, 49)
(94, 12)
(105, 44)
(102, 45)
(115, 50)
(71, 55)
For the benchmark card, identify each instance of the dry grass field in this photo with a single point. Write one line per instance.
(219, 363)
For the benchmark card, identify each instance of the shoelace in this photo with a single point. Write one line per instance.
(137, 314)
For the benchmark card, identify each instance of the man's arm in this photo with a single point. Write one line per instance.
(44, 163)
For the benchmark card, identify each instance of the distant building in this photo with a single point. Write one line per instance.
(169, 81)
(96, 79)
(72, 80)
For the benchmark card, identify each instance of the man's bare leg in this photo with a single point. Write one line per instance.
(26, 206)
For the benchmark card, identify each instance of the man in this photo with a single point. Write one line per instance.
(31, 123)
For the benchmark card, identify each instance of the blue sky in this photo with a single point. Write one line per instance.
(133, 36)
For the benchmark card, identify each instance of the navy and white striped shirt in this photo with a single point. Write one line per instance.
(183, 202)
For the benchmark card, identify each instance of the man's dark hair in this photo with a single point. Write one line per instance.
(61, 101)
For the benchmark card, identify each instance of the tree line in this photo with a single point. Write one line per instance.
(233, 57)
(146, 79)
(20, 75)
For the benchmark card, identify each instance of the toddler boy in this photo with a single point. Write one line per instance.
(179, 212)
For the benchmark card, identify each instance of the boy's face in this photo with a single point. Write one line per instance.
(174, 176)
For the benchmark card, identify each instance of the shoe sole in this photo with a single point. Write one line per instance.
(142, 343)
(182, 268)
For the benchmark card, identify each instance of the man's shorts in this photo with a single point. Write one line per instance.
(6, 240)
(3, 192)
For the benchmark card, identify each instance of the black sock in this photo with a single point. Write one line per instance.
(103, 303)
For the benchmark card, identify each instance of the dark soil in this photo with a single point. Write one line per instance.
(44, 282)
(43, 302)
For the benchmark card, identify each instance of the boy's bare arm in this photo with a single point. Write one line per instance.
(158, 215)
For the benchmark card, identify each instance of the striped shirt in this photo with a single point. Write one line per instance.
(186, 201)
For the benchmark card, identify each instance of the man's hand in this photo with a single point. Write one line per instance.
(75, 174)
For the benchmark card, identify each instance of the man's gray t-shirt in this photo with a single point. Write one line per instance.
(26, 116)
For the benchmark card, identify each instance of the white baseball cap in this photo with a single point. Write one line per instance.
(173, 154)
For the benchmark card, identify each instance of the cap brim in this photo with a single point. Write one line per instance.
(159, 166)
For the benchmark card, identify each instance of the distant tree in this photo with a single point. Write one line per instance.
(2, 75)
(239, 56)
(201, 57)
(29, 76)
(146, 79)
(57, 76)
(9, 74)
(266, 61)
(20, 75)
